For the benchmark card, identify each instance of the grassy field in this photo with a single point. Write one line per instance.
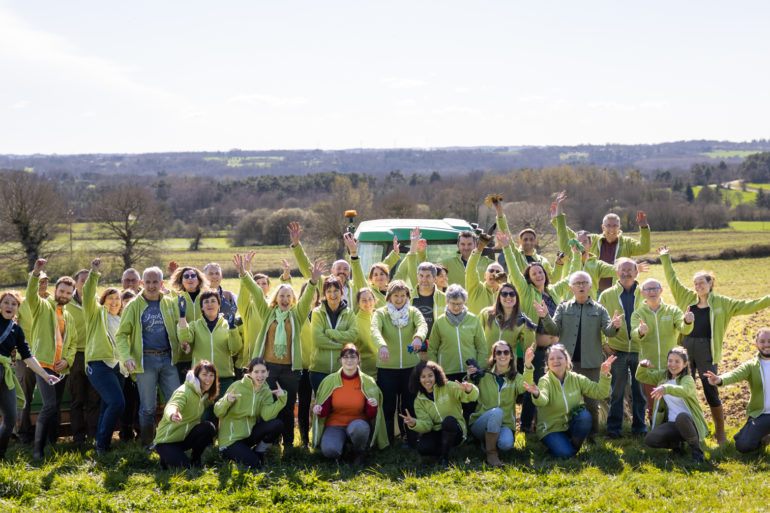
(735, 196)
(727, 154)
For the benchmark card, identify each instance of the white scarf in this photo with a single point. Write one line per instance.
(399, 318)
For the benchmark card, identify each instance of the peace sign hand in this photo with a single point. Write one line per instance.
(467, 387)
(232, 396)
(278, 392)
(714, 380)
(617, 319)
(541, 309)
(607, 365)
(408, 419)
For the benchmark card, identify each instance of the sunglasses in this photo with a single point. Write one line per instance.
(495, 271)
(507, 293)
(502, 352)
(189, 276)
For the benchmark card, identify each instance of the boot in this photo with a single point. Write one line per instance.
(147, 434)
(577, 443)
(719, 424)
(491, 447)
(3, 446)
(697, 452)
(446, 449)
(359, 458)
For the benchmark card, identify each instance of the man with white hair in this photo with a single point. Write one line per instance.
(579, 324)
(149, 348)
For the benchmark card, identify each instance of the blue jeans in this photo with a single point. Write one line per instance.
(560, 443)
(109, 384)
(158, 370)
(492, 421)
(625, 363)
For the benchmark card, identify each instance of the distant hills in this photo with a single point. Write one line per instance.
(378, 162)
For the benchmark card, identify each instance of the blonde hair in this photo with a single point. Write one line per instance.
(274, 297)
(708, 276)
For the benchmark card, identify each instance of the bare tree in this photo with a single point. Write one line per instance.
(31, 214)
(133, 218)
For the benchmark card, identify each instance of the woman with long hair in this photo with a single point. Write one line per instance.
(186, 285)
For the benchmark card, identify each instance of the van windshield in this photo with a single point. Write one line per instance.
(371, 252)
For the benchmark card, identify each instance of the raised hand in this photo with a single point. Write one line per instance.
(396, 249)
(238, 262)
(643, 328)
(663, 250)
(689, 317)
(607, 365)
(95, 264)
(641, 219)
(286, 269)
(317, 270)
(351, 243)
(172, 266)
(529, 355)
(643, 266)
(232, 396)
(714, 380)
(39, 266)
(372, 402)
(247, 260)
(503, 238)
(295, 232)
(408, 419)
(658, 392)
(414, 235)
(467, 387)
(278, 392)
(617, 319)
(532, 389)
(384, 355)
(175, 417)
(422, 245)
(556, 206)
(540, 308)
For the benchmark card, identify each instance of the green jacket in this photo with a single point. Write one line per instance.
(76, 310)
(297, 314)
(554, 271)
(456, 268)
(596, 269)
(515, 337)
(528, 293)
(480, 295)
(129, 337)
(722, 308)
(684, 388)
(365, 343)
(386, 334)
(377, 434)
(252, 324)
(237, 419)
(592, 319)
(664, 327)
(44, 323)
(557, 401)
(450, 346)
(100, 345)
(304, 264)
(751, 371)
(328, 340)
(187, 399)
(491, 395)
(192, 313)
(216, 346)
(360, 281)
(610, 299)
(447, 401)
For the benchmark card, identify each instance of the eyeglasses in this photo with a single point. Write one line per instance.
(502, 352)
(189, 276)
(651, 289)
(507, 293)
(580, 284)
(349, 356)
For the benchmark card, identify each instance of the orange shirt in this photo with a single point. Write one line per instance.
(348, 402)
(59, 331)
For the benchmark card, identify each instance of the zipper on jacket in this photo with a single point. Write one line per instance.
(657, 332)
(400, 350)
(459, 347)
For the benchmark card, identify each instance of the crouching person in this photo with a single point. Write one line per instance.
(180, 428)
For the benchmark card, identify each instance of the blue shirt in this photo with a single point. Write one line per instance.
(154, 335)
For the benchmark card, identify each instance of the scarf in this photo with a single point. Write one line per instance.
(456, 320)
(399, 318)
(279, 344)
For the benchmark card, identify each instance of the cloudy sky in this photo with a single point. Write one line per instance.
(144, 76)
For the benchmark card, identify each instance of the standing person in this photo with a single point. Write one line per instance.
(678, 417)
(347, 408)
(494, 421)
(102, 320)
(579, 323)
(438, 414)
(756, 432)
(625, 296)
(129, 419)
(611, 244)
(214, 338)
(481, 294)
(712, 317)
(53, 335)
(186, 285)
(305, 390)
(248, 416)
(399, 331)
(280, 339)
(228, 300)
(379, 273)
(149, 347)
(426, 296)
(333, 325)
(457, 264)
(563, 422)
(12, 337)
(588, 262)
(656, 327)
(181, 429)
(131, 280)
(365, 343)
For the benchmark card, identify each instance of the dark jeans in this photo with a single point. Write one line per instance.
(305, 396)
(668, 435)
(108, 381)
(240, 451)
(394, 384)
(47, 425)
(158, 371)
(315, 379)
(129, 419)
(528, 409)
(173, 454)
(565, 444)
(7, 406)
(592, 405)
(84, 408)
(699, 351)
(749, 438)
(624, 364)
(439, 443)
(289, 381)
(181, 369)
(26, 377)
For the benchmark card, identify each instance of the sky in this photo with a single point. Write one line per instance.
(149, 76)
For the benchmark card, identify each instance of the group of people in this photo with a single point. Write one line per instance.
(425, 356)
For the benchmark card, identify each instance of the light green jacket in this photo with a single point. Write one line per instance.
(554, 271)
(186, 399)
(304, 264)
(751, 371)
(44, 323)
(100, 345)
(722, 308)
(664, 327)
(684, 388)
(558, 400)
(237, 419)
(493, 396)
(328, 340)
(216, 346)
(193, 312)
(447, 401)
(360, 281)
(515, 337)
(450, 346)
(480, 295)
(76, 310)
(610, 299)
(456, 268)
(377, 433)
(129, 337)
(386, 334)
(365, 343)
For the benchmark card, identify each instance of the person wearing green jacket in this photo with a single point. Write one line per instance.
(563, 422)
(181, 429)
(438, 414)
(149, 347)
(678, 416)
(102, 319)
(379, 273)
(333, 325)
(279, 340)
(186, 285)
(504, 321)
(588, 262)
(458, 264)
(399, 331)
(756, 432)
(365, 300)
(481, 294)
(494, 421)
(248, 416)
(213, 338)
(712, 317)
(427, 296)
(347, 408)
(53, 336)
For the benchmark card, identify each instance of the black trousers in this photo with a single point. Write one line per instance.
(305, 396)
(84, 408)
(26, 377)
(173, 454)
(129, 419)
(394, 384)
(240, 451)
(749, 438)
(439, 443)
(669, 435)
(289, 381)
(699, 351)
(528, 409)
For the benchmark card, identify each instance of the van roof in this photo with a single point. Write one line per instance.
(383, 230)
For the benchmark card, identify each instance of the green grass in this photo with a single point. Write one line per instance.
(736, 196)
(750, 226)
(728, 154)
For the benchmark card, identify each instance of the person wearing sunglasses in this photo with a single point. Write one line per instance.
(186, 285)
(494, 421)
